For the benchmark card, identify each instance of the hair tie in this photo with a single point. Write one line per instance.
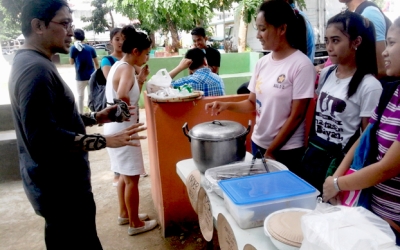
(296, 12)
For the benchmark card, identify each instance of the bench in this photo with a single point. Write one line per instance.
(9, 164)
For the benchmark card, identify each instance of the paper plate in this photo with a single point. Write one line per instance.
(193, 187)
(226, 237)
(249, 247)
(205, 215)
(193, 96)
(288, 235)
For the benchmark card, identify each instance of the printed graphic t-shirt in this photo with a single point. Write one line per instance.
(337, 117)
(276, 84)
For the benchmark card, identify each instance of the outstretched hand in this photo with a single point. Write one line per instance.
(215, 107)
(126, 137)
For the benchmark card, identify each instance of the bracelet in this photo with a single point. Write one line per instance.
(335, 184)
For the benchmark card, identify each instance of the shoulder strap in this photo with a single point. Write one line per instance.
(388, 90)
(111, 60)
(330, 70)
(360, 9)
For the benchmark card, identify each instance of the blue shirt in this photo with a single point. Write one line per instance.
(204, 80)
(310, 35)
(84, 65)
(376, 17)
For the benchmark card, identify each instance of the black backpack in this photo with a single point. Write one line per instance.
(97, 87)
(366, 4)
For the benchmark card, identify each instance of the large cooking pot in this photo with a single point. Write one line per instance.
(217, 143)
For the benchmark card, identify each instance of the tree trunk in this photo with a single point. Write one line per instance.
(112, 21)
(153, 40)
(242, 37)
(174, 35)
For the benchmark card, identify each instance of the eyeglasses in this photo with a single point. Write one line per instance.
(66, 25)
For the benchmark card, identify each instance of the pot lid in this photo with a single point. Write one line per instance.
(217, 130)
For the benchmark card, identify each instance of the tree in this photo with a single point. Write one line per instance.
(98, 22)
(170, 15)
(9, 22)
(248, 11)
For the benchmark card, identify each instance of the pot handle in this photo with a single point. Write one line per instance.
(248, 128)
(185, 129)
(217, 122)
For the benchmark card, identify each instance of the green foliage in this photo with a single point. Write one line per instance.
(9, 22)
(380, 3)
(98, 22)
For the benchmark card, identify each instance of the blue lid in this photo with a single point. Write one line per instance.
(265, 187)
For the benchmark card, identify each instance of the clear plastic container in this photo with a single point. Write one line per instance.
(251, 199)
(239, 169)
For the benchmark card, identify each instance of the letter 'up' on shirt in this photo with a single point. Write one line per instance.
(276, 84)
(337, 117)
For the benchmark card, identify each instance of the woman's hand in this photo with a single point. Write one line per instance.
(329, 190)
(126, 137)
(269, 155)
(144, 72)
(216, 107)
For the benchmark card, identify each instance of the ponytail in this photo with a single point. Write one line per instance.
(278, 13)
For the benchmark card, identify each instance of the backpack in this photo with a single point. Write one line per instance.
(97, 88)
(366, 4)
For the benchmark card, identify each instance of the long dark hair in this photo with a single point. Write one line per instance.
(134, 39)
(354, 25)
(277, 13)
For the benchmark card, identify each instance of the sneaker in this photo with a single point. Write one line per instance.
(124, 221)
(144, 175)
(148, 225)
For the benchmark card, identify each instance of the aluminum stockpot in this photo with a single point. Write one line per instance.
(217, 143)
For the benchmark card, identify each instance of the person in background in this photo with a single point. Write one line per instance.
(281, 87)
(122, 83)
(310, 44)
(52, 141)
(85, 59)
(375, 15)
(213, 56)
(200, 78)
(382, 176)
(346, 97)
(116, 41)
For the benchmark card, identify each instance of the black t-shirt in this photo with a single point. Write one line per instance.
(46, 121)
(213, 57)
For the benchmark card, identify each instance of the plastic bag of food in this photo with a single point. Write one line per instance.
(346, 228)
(159, 81)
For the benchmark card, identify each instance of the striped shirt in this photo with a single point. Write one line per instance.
(204, 80)
(385, 200)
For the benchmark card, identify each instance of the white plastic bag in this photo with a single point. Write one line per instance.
(345, 228)
(160, 80)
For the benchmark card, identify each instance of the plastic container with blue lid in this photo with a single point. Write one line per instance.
(251, 199)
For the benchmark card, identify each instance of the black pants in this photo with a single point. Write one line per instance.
(290, 158)
(70, 223)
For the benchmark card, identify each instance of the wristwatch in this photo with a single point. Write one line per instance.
(335, 184)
